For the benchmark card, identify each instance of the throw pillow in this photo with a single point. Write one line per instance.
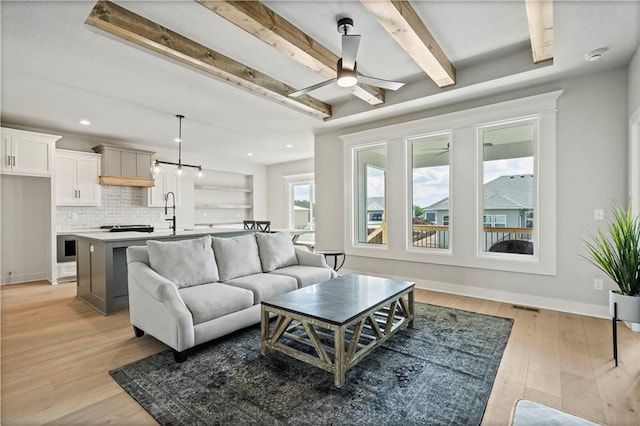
(184, 262)
(236, 256)
(276, 250)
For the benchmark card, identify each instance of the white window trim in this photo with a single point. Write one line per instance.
(535, 121)
(463, 125)
(408, 147)
(289, 182)
(354, 190)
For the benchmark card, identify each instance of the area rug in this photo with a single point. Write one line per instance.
(438, 373)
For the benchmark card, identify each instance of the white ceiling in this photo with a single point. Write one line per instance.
(56, 70)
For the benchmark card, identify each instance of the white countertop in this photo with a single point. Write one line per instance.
(162, 233)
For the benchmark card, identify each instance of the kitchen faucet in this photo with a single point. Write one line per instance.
(173, 218)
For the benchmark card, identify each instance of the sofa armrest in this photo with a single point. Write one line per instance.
(158, 288)
(307, 258)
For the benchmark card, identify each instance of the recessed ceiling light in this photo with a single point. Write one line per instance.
(250, 154)
(595, 55)
(289, 145)
(85, 122)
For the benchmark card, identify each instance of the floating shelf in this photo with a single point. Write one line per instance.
(223, 206)
(223, 188)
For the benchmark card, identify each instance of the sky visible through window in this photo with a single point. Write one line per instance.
(431, 184)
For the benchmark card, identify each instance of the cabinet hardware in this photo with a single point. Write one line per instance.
(13, 160)
(8, 160)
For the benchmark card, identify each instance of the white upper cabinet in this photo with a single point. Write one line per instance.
(77, 178)
(165, 182)
(27, 153)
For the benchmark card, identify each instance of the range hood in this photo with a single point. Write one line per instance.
(124, 166)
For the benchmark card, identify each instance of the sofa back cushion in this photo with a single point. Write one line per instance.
(185, 262)
(276, 250)
(236, 256)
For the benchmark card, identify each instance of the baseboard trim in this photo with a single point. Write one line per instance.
(567, 306)
(24, 278)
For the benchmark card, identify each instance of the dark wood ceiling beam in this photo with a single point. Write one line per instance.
(540, 18)
(136, 29)
(266, 25)
(403, 23)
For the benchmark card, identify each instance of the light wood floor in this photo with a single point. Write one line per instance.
(56, 352)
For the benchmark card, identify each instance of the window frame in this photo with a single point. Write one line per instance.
(290, 182)
(498, 125)
(464, 183)
(408, 147)
(356, 192)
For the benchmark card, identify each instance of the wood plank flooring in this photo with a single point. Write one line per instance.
(56, 351)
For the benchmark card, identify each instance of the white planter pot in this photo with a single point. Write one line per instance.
(628, 307)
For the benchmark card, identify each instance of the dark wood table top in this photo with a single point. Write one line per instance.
(340, 300)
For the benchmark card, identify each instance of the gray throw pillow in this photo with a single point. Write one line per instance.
(276, 250)
(185, 262)
(236, 256)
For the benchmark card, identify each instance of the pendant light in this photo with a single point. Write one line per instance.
(156, 168)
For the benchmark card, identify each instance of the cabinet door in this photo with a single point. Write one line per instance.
(155, 194)
(6, 153)
(143, 165)
(164, 182)
(33, 155)
(87, 181)
(129, 164)
(111, 162)
(66, 190)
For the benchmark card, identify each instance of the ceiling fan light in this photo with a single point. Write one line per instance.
(347, 81)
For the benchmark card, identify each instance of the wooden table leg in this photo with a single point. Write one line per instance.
(411, 308)
(339, 361)
(264, 329)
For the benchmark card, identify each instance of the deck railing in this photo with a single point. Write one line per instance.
(437, 236)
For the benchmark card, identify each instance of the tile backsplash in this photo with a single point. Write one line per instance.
(121, 205)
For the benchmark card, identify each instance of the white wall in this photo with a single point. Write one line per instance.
(592, 171)
(277, 190)
(634, 83)
(25, 226)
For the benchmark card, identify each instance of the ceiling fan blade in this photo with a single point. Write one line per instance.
(383, 84)
(350, 45)
(301, 92)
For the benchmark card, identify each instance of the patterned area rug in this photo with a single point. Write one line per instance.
(438, 373)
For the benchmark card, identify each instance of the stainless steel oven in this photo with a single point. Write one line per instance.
(66, 248)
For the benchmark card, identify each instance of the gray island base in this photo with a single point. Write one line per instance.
(334, 324)
(102, 263)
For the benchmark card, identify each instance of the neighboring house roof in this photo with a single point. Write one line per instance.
(375, 203)
(512, 192)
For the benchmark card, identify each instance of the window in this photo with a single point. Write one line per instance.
(303, 214)
(430, 191)
(508, 187)
(301, 208)
(371, 195)
(492, 148)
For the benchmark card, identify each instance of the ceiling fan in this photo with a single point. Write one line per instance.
(347, 70)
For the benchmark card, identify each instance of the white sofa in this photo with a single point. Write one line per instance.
(188, 292)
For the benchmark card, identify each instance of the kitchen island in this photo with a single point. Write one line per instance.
(102, 262)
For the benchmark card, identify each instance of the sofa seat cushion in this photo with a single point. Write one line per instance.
(184, 262)
(236, 256)
(305, 275)
(276, 250)
(265, 286)
(214, 300)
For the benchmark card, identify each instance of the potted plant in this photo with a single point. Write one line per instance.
(617, 254)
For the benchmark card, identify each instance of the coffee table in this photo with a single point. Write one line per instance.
(334, 324)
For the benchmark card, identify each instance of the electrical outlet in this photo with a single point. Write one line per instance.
(597, 284)
(598, 214)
